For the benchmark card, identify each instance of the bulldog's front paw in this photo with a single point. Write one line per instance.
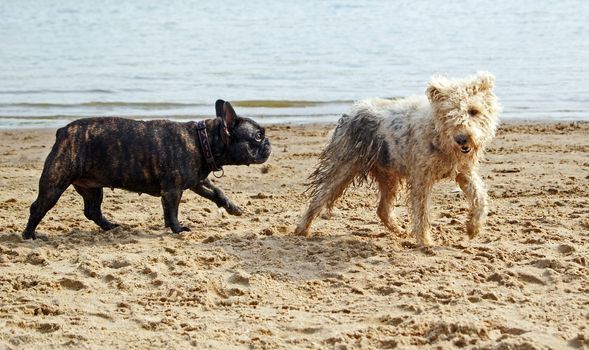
(29, 235)
(179, 228)
(233, 209)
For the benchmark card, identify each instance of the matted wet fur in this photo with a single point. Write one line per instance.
(411, 143)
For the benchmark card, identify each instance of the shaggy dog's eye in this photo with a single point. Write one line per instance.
(259, 136)
(473, 112)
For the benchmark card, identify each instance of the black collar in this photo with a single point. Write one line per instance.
(206, 147)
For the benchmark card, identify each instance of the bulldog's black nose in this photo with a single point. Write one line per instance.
(461, 139)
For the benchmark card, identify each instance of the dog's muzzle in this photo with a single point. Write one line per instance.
(265, 152)
(462, 141)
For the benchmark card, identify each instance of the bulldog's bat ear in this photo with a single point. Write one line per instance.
(219, 108)
(229, 115)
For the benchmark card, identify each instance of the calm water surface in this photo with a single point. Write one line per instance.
(285, 61)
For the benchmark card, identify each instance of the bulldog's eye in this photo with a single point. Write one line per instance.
(259, 136)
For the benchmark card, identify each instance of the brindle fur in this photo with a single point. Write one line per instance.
(160, 158)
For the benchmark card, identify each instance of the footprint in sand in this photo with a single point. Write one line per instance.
(529, 277)
(72, 284)
(47, 327)
(117, 263)
(36, 258)
(566, 249)
(240, 277)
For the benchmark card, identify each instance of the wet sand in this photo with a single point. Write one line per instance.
(248, 282)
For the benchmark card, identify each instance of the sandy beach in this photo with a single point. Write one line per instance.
(248, 282)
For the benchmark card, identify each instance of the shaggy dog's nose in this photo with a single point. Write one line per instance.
(461, 139)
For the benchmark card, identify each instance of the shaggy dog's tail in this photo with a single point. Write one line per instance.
(349, 156)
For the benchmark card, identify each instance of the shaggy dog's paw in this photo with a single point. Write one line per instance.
(472, 230)
(424, 240)
(301, 231)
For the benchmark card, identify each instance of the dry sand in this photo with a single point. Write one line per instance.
(247, 282)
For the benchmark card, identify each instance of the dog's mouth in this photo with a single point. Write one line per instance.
(264, 154)
(465, 149)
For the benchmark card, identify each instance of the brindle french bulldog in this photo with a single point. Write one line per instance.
(160, 158)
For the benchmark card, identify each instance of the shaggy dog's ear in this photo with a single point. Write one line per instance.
(485, 80)
(437, 89)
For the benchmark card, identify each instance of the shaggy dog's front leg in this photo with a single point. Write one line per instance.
(420, 207)
(473, 187)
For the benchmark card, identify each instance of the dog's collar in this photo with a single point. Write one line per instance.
(206, 148)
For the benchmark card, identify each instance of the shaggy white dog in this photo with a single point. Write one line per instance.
(412, 142)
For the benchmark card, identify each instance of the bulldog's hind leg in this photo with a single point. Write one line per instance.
(56, 177)
(170, 203)
(92, 206)
(51, 187)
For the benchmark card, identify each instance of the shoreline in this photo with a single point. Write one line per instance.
(249, 282)
(331, 122)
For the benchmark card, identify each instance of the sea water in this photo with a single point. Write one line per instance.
(282, 61)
